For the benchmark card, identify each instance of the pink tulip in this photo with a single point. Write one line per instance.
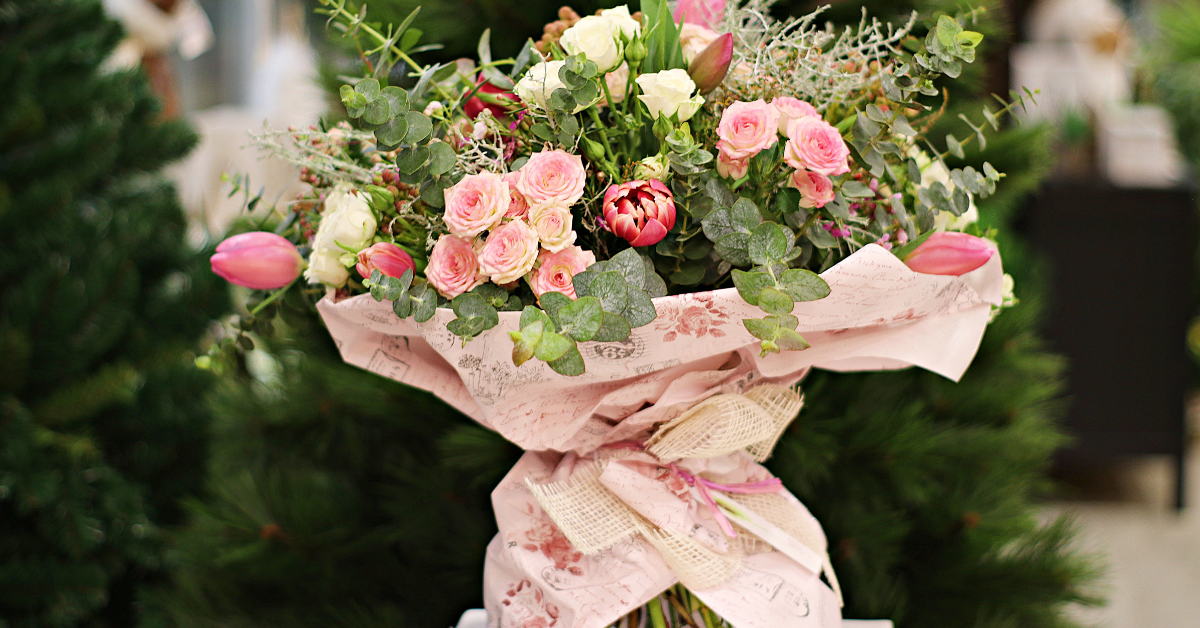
(709, 67)
(641, 212)
(950, 253)
(703, 12)
(258, 260)
(389, 259)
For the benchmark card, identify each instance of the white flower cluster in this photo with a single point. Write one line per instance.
(347, 225)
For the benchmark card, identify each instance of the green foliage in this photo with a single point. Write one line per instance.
(102, 425)
(336, 497)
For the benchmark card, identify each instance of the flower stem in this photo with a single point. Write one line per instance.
(271, 299)
(657, 620)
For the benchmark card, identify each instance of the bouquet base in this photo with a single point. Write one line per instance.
(478, 618)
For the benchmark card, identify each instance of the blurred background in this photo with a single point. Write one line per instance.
(269, 492)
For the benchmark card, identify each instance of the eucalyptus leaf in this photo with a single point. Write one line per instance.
(552, 346)
(552, 302)
(803, 285)
(424, 299)
(419, 127)
(610, 287)
(631, 267)
(571, 364)
(640, 309)
(441, 158)
(749, 285)
(767, 243)
(734, 248)
(613, 328)
(774, 301)
(582, 318)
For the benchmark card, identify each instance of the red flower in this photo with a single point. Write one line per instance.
(475, 105)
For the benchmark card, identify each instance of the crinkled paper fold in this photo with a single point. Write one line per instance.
(878, 315)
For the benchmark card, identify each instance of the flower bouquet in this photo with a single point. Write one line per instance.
(623, 249)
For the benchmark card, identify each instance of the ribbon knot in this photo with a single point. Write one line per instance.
(769, 485)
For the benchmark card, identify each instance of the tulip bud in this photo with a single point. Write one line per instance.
(641, 212)
(950, 253)
(258, 260)
(387, 258)
(709, 67)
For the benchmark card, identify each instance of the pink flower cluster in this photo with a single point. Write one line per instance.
(814, 147)
(505, 227)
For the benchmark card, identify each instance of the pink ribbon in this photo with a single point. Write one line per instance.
(769, 485)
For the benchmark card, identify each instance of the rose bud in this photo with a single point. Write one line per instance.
(641, 212)
(709, 67)
(476, 105)
(387, 258)
(258, 260)
(950, 253)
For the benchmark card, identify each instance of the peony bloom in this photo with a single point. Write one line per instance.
(746, 128)
(453, 266)
(815, 188)
(669, 93)
(814, 144)
(553, 226)
(694, 38)
(598, 39)
(509, 252)
(476, 204)
(792, 109)
(475, 105)
(553, 177)
(704, 12)
(950, 253)
(731, 168)
(518, 207)
(709, 67)
(556, 271)
(641, 212)
(258, 260)
(389, 259)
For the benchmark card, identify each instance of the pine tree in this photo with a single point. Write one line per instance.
(101, 303)
(925, 487)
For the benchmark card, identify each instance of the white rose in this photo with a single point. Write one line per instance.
(553, 226)
(597, 39)
(325, 267)
(346, 223)
(651, 168)
(669, 93)
(621, 18)
(539, 82)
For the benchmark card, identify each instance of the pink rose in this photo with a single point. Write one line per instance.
(553, 226)
(389, 259)
(509, 252)
(707, 12)
(453, 267)
(815, 188)
(476, 204)
(731, 168)
(747, 128)
(556, 271)
(792, 109)
(814, 144)
(518, 207)
(553, 177)
(694, 38)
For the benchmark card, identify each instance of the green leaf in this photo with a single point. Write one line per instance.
(857, 189)
(485, 47)
(803, 285)
(614, 328)
(467, 328)
(552, 302)
(532, 314)
(907, 249)
(419, 127)
(821, 238)
(552, 346)
(655, 286)
(582, 282)
(562, 100)
(902, 127)
(611, 288)
(522, 60)
(377, 112)
(471, 305)
(734, 248)
(543, 132)
(424, 302)
(749, 285)
(571, 364)
(631, 267)
(492, 294)
(403, 307)
(761, 328)
(640, 310)
(392, 132)
(526, 341)
(368, 87)
(441, 158)
(411, 160)
(787, 201)
(582, 318)
(773, 301)
(789, 340)
(745, 213)
(688, 274)
(954, 146)
(768, 243)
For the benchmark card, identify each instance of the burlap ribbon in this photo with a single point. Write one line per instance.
(593, 517)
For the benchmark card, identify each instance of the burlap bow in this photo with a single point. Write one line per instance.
(603, 503)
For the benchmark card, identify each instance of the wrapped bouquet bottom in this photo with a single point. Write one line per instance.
(644, 471)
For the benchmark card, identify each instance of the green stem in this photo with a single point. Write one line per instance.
(657, 620)
(812, 219)
(271, 299)
(612, 160)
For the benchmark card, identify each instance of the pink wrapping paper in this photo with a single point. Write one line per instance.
(878, 315)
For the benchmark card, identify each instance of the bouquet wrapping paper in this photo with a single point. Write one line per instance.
(595, 427)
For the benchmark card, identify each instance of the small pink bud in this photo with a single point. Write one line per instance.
(709, 67)
(388, 258)
(950, 253)
(258, 260)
